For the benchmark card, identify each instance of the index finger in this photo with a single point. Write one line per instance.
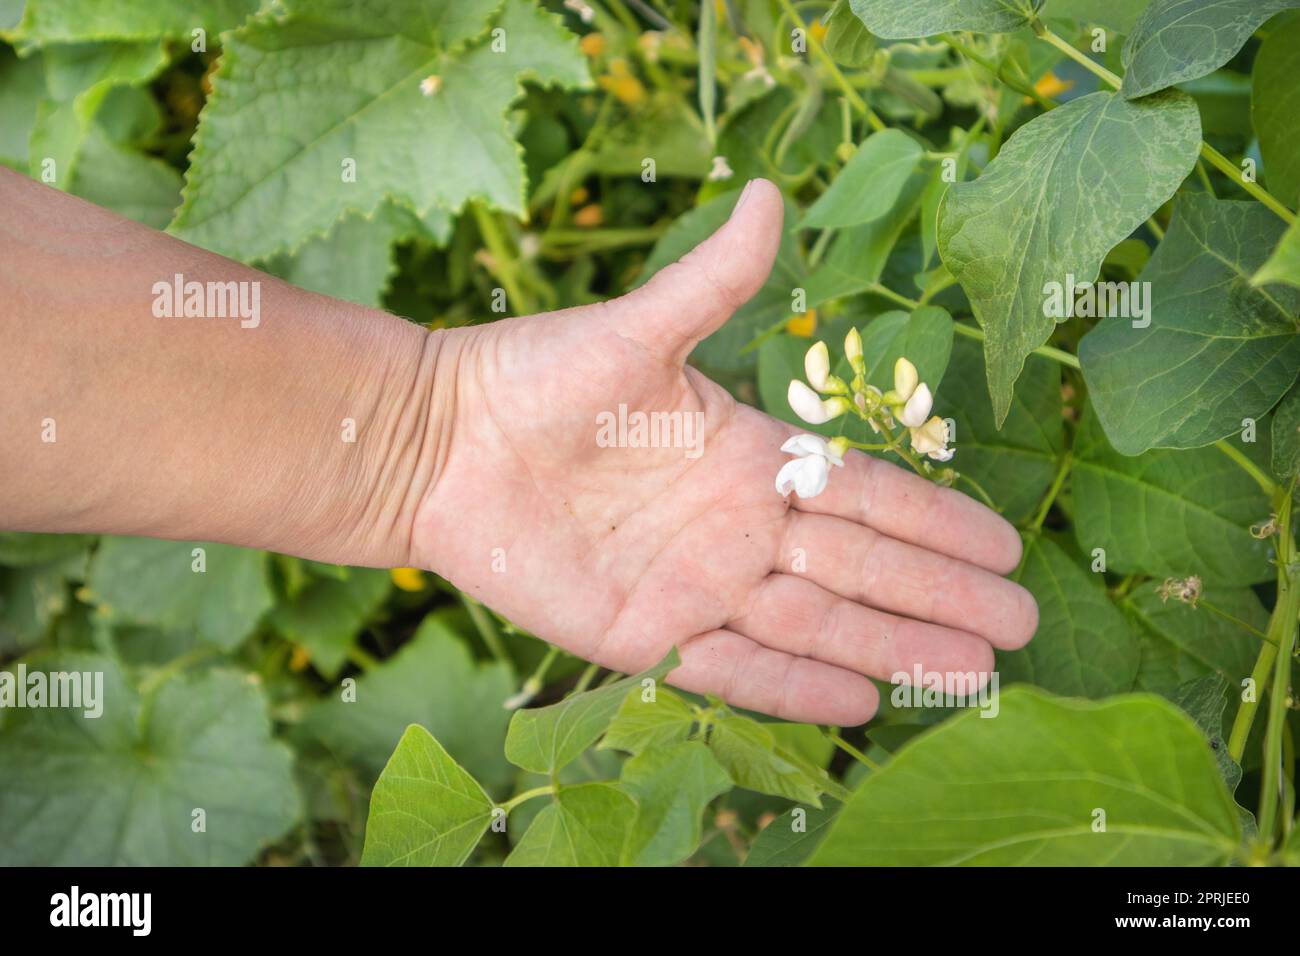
(906, 506)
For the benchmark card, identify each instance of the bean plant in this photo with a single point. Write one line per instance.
(1041, 251)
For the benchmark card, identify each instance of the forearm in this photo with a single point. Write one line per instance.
(309, 427)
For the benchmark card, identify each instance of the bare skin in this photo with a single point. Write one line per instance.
(477, 458)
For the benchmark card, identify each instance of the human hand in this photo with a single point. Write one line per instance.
(618, 553)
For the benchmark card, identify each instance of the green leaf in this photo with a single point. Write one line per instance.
(130, 183)
(72, 21)
(586, 825)
(1025, 788)
(643, 724)
(792, 837)
(722, 350)
(848, 41)
(32, 596)
(433, 681)
(749, 752)
(1084, 647)
(326, 616)
(1025, 223)
(544, 739)
(354, 261)
(1181, 643)
(869, 184)
(1203, 701)
(1166, 513)
(904, 19)
(1179, 40)
(351, 78)
(121, 790)
(18, 549)
(1014, 464)
(152, 582)
(425, 810)
(22, 86)
(1275, 110)
(857, 257)
(1119, 17)
(1286, 437)
(1284, 263)
(1216, 350)
(671, 785)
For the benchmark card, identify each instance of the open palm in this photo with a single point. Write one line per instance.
(619, 553)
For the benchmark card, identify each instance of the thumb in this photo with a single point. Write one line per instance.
(686, 301)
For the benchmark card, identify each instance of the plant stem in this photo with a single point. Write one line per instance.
(588, 675)
(878, 289)
(1062, 471)
(487, 628)
(1224, 165)
(1266, 483)
(1046, 351)
(503, 261)
(528, 795)
(833, 735)
(1221, 162)
(1283, 628)
(1068, 49)
(855, 100)
(1022, 88)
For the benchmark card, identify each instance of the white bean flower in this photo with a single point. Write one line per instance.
(932, 439)
(807, 474)
(811, 407)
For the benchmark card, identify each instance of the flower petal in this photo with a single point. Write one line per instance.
(905, 378)
(917, 408)
(807, 404)
(817, 365)
(805, 444)
(811, 479)
(786, 477)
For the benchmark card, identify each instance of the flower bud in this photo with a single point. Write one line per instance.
(853, 351)
(905, 379)
(817, 365)
(809, 406)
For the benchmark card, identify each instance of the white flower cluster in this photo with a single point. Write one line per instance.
(825, 397)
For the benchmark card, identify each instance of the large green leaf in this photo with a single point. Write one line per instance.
(671, 785)
(326, 616)
(1179, 40)
(792, 837)
(923, 336)
(544, 739)
(18, 549)
(1025, 221)
(1026, 788)
(1015, 464)
(1084, 647)
(425, 809)
(1119, 17)
(73, 21)
(433, 681)
(1168, 513)
(32, 597)
(586, 825)
(1283, 265)
(22, 87)
(869, 184)
(351, 78)
(723, 349)
(903, 19)
(1181, 643)
(152, 582)
(1275, 110)
(848, 41)
(122, 790)
(1203, 700)
(1286, 437)
(1217, 350)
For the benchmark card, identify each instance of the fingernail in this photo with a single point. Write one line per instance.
(744, 194)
